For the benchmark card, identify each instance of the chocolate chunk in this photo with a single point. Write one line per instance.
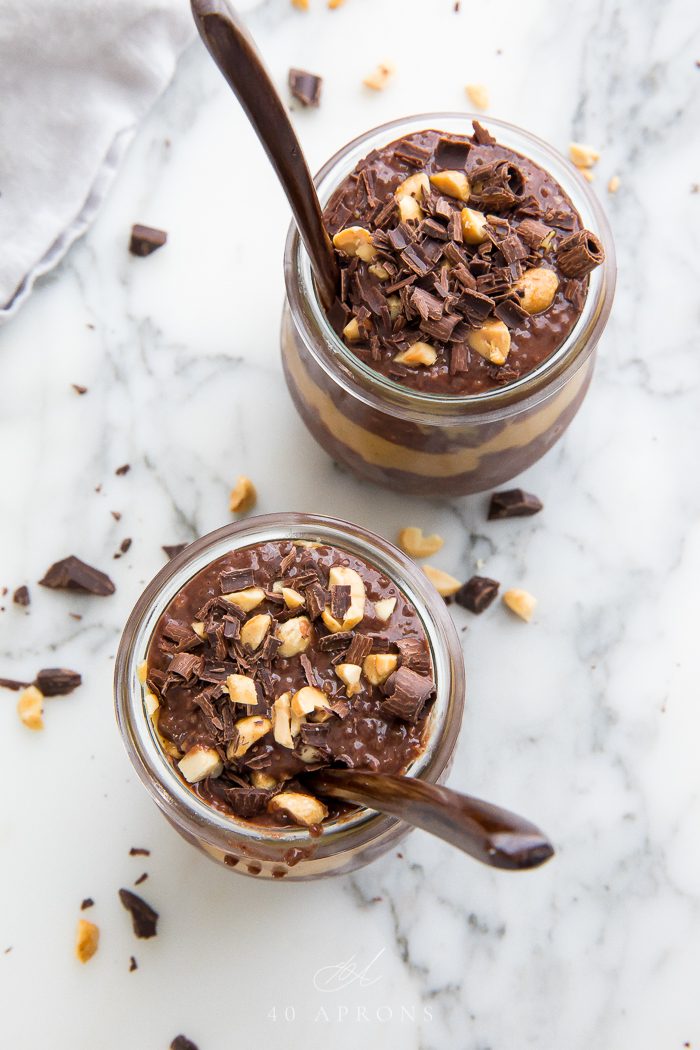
(21, 596)
(186, 665)
(138, 851)
(315, 597)
(534, 232)
(309, 673)
(427, 305)
(246, 802)
(498, 185)
(513, 503)
(414, 654)
(411, 691)
(477, 593)
(512, 248)
(143, 917)
(315, 734)
(459, 358)
(511, 313)
(173, 549)
(236, 580)
(481, 136)
(360, 647)
(579, 253)
(330, 642)
(452, 154)
(57, 681)
(133, 965)
(88, 902)
(341, 601)
(181, 1042)
(72, 574)
(575, 293)
(305, 86)
(146, 239)
(412, 153)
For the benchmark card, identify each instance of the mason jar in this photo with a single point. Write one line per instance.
(410, 440)
(357, 836)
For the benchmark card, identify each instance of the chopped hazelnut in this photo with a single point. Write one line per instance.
(537, 289)
(409, 209)
(520, 602)
(413, 542)
(142, 672)
(303, 809)
(295, 635)
(342, 576)
(198, 628)
(394, 304)
(452, 183)
(241, 690)
(379, 271)
(492, 341)
(200, 762)
(87, 939)
(355, 240)
(243, 496)
(254, 630)
(379, 79)
(349, 674)
(583, 156)
(308, 699)
(414, 186)
(292, 598)
(613, 184)
(419, 355)
(150, 702)
(443, 583)
(384, 608)
(378, 666)
(478, 96)
(259, 779)
(30, 707)
(246, 599)
(352, 331)
(280, 721)
(301, 5)
(248, 730)
(473, 226)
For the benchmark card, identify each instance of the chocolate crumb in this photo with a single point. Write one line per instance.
(88, 902)
(116, 515)
(124, 469)
(11, 683)
(173, 549)
(57, 681)
(21, 596)
(75, 616)
(72, 574)
(513, 503)
(143, 917)
(79, 389)
(133, 965)
(181, 1042)
(141, 878)
(138, 851)
(125, 544)
(477, 593)
(146, 239)
(305, 86)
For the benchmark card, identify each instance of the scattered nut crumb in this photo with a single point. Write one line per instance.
(520, 602)
(614, 184)
(443, 583)
(87, 939)
(30, 707)
(583, 156)
(301, 5)
(587, 174)
(379, 79)
(478, 95)
(413, 542)
(243, 496)
(333, 4)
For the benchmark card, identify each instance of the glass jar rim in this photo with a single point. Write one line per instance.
(147, 755)
(378, 390)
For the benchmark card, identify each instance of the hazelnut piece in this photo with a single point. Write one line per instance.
(413, 542)
(383, 609)
(198, 628)
(520, 602)
(142, 672)
(378, 666)
(491, 341)
(30, 707)
(355, 240)
(342, 576)
(302, 809)
(280, 721)
(443, 583)
(537, 289)
(259, 779)
(420, 355)
(414, 186)
(200, 762)
(583, 156)
(409, 209)
(473, 226)
(87, 939)
(254, 630)
(379, 271)
(295, 636)
(243, 496)
(308, 699)
(246, 599)
(242, 690)
(349, 674)
(452, 183)
(478, 96)
(379, 79)
(248, 730)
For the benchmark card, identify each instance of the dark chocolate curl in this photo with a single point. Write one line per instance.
(580, 253)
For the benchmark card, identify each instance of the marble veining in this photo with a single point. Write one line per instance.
(587, 719)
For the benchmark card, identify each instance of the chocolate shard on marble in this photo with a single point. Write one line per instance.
(139, 851)
(477, 593)
(143, 917)
(513, 503)
(146, 239)
(86, 903)
(72, 574)
(181, 1042)
(124, 469)
(57, 681)
(21, 596)
(173, 549)
(305, 87)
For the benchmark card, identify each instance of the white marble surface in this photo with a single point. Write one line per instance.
(586, 719)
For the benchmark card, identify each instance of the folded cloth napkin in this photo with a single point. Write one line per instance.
(75, 78)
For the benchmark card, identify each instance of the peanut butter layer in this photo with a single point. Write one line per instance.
(279, 659)
(464, 265)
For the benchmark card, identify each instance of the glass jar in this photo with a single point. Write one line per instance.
(358, 836)
(417, 442)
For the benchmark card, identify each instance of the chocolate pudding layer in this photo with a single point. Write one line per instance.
(281, 658)
(464, 264)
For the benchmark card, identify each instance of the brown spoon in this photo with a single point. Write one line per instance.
(235, 54)
(491, 834)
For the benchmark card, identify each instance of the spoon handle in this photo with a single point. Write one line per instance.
(490, 834)
(235, 54)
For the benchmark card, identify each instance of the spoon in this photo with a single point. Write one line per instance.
(234, 52)
(490, 834)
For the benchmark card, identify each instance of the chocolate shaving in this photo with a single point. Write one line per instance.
(72, 574)
(341, 601)
(511, 313)
(498, 185)
(145, 240)
(477, 593)
(247, 802)
(534, 232)
(186, 665)
(315, 598)
(360, 647)
(513, 503)
(57, 681)
(481, 136)
(579, 253)
(143, 917)
(575, 293)
(414, 654)
(236, 580)
(305, 86)
(412, 153)
(21, 596)
(141, 878)
(309, 672)
(411, 691)
(452, 154)
(330, 642)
